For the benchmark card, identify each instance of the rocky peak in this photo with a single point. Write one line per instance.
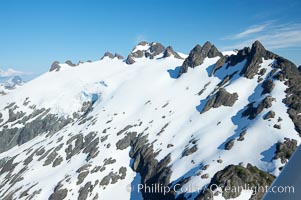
(55, 66)
(107, 54)
(112, 56)
(254, 59)
(70, 63)
(170, 52)
(197, 56)
(145, 49)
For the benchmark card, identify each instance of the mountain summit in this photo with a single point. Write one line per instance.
(156, 125)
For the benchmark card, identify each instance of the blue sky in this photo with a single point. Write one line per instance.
(35, 33)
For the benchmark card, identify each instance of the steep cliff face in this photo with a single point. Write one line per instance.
(151, 126)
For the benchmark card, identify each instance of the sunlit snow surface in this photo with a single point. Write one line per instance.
(148, 91)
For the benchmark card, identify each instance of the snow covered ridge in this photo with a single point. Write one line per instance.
(116, 128)
(11, 84)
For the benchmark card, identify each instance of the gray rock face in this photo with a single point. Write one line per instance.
(268, 86)
(55, 66)
(118, 56)
(50, 123)
(198, 54)
(154, 50)
(252, 112)
(151, 170)
(108, 54)
(271, 114)
(285, 150)
(126, 141)
(70, 63)
(111, 55)
(221, 98)
(254, 59)
(170, 52)
(229, 144)
(59, 194)
(130, 60)
(189, 151)
(236, 176)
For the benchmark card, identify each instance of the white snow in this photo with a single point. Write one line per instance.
(123, 90)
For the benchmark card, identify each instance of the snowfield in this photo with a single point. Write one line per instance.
(165, 108)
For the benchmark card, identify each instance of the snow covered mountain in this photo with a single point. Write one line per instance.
(156, 125)
(10, 84)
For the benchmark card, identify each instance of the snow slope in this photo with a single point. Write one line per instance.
(165, 108)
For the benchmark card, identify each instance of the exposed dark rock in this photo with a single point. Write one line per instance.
(84, 191)
(285, 149)
(254, 59)
(70, 63)
(71, 151)
(107, 54)
(81, 177)
(236, 176)
(118, 56)
(203, 90)
(59, 194)
(277, 126)
(126, 141)
(198, 54)
(262, 71)
(189, 151)
(55, 66)
(239, 57)
(170, 52)
(269, 115)
(153, 50)
(242, 135)
(252, 112)
(229, 144)
(151, 170)
(110, 55)
(290, 73)
(218, 64)
(57, 161)
(268, 86)
(52, 156)
(205, 176)
(221, 98)
(129, 60)
(124, 129)
(109, 161)
(113, 178)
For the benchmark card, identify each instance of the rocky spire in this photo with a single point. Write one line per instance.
(170, 52)
(254, 59)
(111, 55)
(70, 63)
(197, 56)
(145, 49)
(55, 66)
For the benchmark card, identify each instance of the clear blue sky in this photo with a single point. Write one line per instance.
(35, 33)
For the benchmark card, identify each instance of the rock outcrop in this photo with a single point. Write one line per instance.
(112, 56)
(55, 66)
(145, 49)
(284, 150)
(239, 177)
(197, 56)
(170, 52)
(221, 98)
